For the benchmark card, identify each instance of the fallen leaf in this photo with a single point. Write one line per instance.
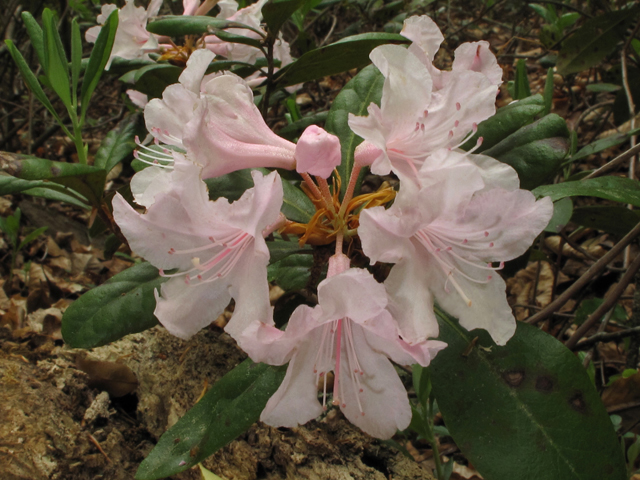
(114, 378)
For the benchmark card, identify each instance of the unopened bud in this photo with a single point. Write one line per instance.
(317, 152)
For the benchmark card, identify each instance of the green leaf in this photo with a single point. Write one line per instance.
(122, 305)
(58, 193)
(548, 92)
(31, 237)
(292, 272)
(179, 26)
(229, 408)
(562, 210)
(618, 189)
(616, 220)
(84, 179)
(76, 58)
(602, 144)
(230, 186)
(355, 97)
(587, 307)
(603, 87)
(530, 400)
(235, 38)
(350, 52)
(296, 205)
(56, 64)
(521, 82)
(535, 151)
(119, 143)
(506, 121)
(10, 184)
(153, 79)
(276, 12)
(294, 129)
(594, 41)
(35, 34)
(31, 80)
(280, 248)
(98, 60)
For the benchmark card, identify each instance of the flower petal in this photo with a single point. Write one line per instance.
(477, 56)
(424, 33)
(197, 65)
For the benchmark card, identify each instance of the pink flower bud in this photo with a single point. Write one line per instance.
(317, 152)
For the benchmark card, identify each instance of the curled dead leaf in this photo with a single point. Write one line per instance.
(114, 378)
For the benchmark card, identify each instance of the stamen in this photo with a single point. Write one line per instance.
(458, 106)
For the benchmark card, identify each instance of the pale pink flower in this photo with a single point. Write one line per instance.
(139, 99)
(413, 120)
(132, 40)
(166, 118)
(444, 237)
(217, 247)
(474, 56)
(227, 131)
(351, 333)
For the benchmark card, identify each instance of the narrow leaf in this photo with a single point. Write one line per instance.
(56, 64)
(616, 220)
(122, 305)
(602, 144)
(229, 408)
(618, 189)
(31, 80)
(178, 25)
(350, 52)
(594, 41)
(356, 96)
(76, 59)
(98, 60)
(530, 400)
(35, 35)
(521, 82)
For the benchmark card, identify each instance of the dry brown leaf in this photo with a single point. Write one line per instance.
(622, 391)
(520, 287)
(114, 378)
(462, 472)
(16, 313)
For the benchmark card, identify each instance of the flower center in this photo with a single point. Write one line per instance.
(442, 248)
(222, 254)
(337, 342)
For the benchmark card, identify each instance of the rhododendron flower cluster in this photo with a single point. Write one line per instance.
(455, 219)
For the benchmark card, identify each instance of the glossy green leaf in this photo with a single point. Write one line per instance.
(296, 205)
(535, 151)
(616, 220)
(10, 184)
(98, 60)
(292, 272)
(36, 35)
(506, 121)
(179, 25)
(618, 189)
(235, 38)
(530, 400)
(230, 186)
(276, 12)
(122, 305)
(228, 409)
(562, 211)
(594, 41)
(119, 143)
(84, 179)
(31, 80)
(521, 82)
(280, 248)
(356, 96)
(603, 87)
(153, 79)
(350, 52)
